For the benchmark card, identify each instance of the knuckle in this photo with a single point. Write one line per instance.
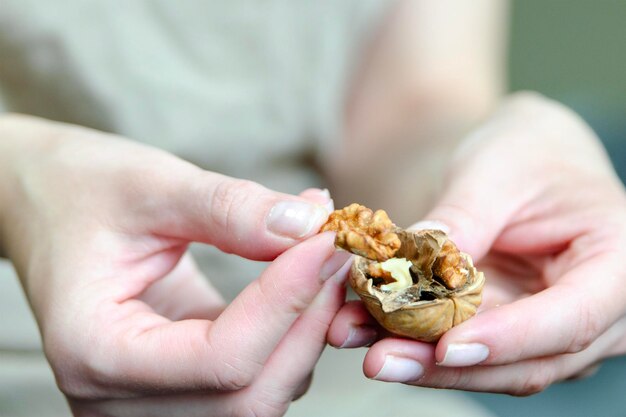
(303, 388)
(531, 387)
(466, 219)
(223, 372)
(290, 294)
(66, 376)
(231, 380)
(101, 369)
(263, 406)
(459, 212)
(80, 372)
(534, 382)
(227, 198)
(590, 325)
(295, 296)
(235, 373)
(450, 378)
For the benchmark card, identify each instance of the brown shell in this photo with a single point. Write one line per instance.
(426, 310)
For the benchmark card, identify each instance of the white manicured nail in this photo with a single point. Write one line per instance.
(295, 219)
(398, 369)
(465, 354)
(430, 225)
(330, 204)
(360, 336)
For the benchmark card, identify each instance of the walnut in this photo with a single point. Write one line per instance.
(364, 232)
(450, 266)
(377, 271)
(423, 311)
(395, 273)
(441, 290)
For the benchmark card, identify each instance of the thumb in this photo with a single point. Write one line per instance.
(473, 210)
(240, 216)
(492, 176)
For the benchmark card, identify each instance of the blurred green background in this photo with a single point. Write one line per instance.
(575, 52)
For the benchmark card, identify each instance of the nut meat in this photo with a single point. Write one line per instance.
(363, 232)
(446, 290)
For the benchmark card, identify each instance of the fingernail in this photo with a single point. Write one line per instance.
(464, 354)
(359, 336)
(336, 265)
(320, 196)
(430, 225)
(330, 204)
(295, 219)
(398, 369)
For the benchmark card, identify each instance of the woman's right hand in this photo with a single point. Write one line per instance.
(98, 227)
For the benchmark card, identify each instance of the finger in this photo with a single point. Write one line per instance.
(398, 360)
(303, 388)
(410, 362)
(352, 327)
(237, 216)
(298, 352)
(487, 182)
(142, 351)
(587, 372)
(321, 197)
(184, 293)
(564, 318)
(468, 213)
(258, 319)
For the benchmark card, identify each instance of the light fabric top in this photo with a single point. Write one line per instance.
(246, 88)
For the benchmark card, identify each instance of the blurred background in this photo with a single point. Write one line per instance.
(575, 52)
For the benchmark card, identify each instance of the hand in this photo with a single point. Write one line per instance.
(531, 196)
(98, 228)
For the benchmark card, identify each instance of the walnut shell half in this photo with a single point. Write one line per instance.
(428, 308)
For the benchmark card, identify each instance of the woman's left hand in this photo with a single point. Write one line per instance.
(532, 197)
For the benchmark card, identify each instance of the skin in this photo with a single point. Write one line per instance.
(532, 197)
(98, 227)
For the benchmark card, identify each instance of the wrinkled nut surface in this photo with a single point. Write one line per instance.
(364, 232)
(446, 289)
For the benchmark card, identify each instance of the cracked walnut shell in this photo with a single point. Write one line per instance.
(428, 308)
(421, 299)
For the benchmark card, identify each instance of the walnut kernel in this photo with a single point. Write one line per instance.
(450, 267)
(399, 269)
(364, 232)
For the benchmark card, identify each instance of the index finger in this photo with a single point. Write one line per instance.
(564, 318)
(251, 327)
